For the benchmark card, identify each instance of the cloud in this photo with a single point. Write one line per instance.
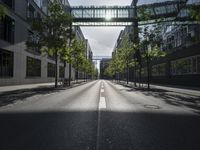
(102, 40)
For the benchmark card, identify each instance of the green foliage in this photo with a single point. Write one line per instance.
(195, 12)
(151, 44)
(126, 53)
(78, 54)
(124, 58)
(153, 52)
(144, 14)
(89, 68)
(52, 32)
(2, 11)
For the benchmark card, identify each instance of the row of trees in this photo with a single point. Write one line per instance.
(127, 56)
(134, 53)
(53, 35)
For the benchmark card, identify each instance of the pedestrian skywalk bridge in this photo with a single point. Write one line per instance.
(126, 15)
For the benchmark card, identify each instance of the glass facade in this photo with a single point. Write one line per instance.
(144, 72)
(103, 12)
(158, 70)
(6, 63)
(7, 26)
(33, 39)
(190, 65)
(156, 10)
(33, 67)
(102, 23)
(51, 70)
(61, 72)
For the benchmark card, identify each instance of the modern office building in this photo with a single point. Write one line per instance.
(18, 64)
(181, 65)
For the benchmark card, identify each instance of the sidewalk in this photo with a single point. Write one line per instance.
(171, 88)
(11, 88)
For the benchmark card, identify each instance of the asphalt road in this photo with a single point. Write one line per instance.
(100, 115)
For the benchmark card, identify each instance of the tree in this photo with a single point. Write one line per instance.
(88, 68)
(151, 49)
(2, 11)
(78, 55)
(194, 11)
(115, 67)
(126, 54)
(53, 33)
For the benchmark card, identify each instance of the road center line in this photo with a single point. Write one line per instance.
(102, 103)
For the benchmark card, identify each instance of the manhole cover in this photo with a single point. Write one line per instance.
(152, 106)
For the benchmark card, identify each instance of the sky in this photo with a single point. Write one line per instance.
(103, 39)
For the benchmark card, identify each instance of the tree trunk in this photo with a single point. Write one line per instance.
(64, 73)
(135, 77)
(70, 74)
(77, 75)
(148, 69)
(127, 75)
(140, 75)
(56, 72)
(70, 65)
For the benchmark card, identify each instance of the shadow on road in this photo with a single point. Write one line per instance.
(118, 131)
(170, 97)
(13, 96)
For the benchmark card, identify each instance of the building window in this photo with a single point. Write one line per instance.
(190, 65)
(31, 13)
(51, 70)
(9, 3)
(158, 70)
(198, 64)
(61, 72)
(7, 25)
(33, 67)
(6, 63)
(33, 41)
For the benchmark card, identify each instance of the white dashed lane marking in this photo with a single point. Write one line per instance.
(102, 90)
(102, 103)
(102, 106)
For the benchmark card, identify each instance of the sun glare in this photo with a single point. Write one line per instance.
(108, 16)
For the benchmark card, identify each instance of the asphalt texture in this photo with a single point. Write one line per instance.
(100, 115)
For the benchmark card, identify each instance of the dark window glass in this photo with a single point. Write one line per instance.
(31, 13)
(194, 64)
(198, 64)
(6, 63)
(7, 25)
(61, 72)
(51, 70)
(33, 67)
(33, 40)
(158, 70)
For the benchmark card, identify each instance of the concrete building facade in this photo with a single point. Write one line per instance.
(18, 64)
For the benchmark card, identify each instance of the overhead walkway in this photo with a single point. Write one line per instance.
(101, 57)
(103, 15)
(125, 15)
